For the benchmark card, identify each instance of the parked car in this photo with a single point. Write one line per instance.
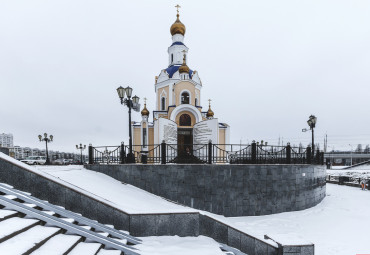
(62, 161)
(58, 162)
(35, 160)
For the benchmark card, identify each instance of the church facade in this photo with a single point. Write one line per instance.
(179, 118)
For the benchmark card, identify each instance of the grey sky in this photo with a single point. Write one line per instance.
(266, 65)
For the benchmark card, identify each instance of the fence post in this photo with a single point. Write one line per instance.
(210, 147)
(317, 157)
(122, 153)
(288, 154)
(254, 152)
(308, 156)
(322, 158)
(91, 157)
(163, 152)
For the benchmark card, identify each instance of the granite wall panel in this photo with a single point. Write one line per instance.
(230, 190)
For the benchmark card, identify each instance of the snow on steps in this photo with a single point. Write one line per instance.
(28, 240)
(22, 233)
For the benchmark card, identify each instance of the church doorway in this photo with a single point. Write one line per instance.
(185, 141)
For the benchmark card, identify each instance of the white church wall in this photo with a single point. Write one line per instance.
(196, 78)
(162, 76)
(177, 38)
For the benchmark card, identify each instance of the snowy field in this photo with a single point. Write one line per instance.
(174, 245)
(339, 225)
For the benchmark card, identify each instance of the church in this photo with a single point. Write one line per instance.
(179, 118)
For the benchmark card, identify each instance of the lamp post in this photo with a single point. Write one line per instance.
(81, 148)
(312, 123)
(351, 155)
(131, 104)
(47, 140)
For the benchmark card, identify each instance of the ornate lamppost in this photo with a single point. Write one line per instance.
(131, 104)
(81, 148)
(47, 140)
(312, 123)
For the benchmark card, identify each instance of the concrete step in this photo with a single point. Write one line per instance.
(28, 241)
(58, 244)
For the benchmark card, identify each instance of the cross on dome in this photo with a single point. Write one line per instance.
(210, 113)
(145, 111)
(177, 27)
(178, 6)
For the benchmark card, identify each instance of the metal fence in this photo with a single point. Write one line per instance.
(205, 154)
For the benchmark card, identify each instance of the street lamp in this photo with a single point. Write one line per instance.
(47, 140)
(131, 104)
(351, 155)
(81, 148)
(312, 123)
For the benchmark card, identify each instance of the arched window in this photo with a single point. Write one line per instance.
(196, 101)
(185, 98)
(163, 104)
(185, 120)
(171, 58)
(144, 137)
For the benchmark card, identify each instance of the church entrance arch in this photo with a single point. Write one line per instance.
(185, 121)
(185, 141)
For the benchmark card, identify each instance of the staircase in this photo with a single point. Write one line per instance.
(29, 225)
(32, 226)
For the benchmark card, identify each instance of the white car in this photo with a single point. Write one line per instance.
(35, 160)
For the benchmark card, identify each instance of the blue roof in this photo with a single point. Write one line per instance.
(173, 69)
(177, 43)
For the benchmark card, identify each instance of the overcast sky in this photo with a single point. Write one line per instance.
(267, 65)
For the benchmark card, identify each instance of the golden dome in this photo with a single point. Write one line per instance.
(184, 68)
(177, 27)
(210, 113)
(145, 111)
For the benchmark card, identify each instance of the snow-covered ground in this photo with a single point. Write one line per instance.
(124, 196)
(339, 225)
(174, 245)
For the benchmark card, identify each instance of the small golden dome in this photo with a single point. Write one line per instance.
(210, 113)
(177, 27)
(145, 111)
(184, 68)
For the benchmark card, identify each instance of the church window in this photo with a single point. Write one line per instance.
(185, 98)
(144, 137)
(163, 104)
(171, 58)
(196, 101)
(185, 120)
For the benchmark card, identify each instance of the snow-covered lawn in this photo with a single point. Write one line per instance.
(174, 245)
(339, 225)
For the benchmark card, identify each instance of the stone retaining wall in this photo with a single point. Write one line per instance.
(229, 190)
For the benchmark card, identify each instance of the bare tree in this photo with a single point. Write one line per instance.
(367, 149)
(359, 148)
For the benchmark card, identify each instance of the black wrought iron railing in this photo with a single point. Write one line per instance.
(205, 154)
(105, 154)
